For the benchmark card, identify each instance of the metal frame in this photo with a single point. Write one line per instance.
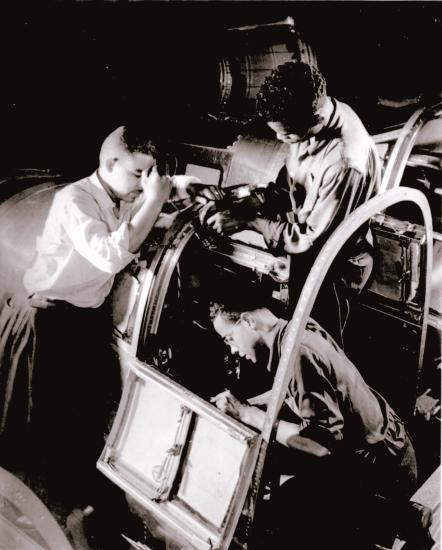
(395, 168)
(164, 264)
(310, 291)
(197, 532)
(402, 148)
(261, 261)
(33, 508)
(151, 302)
(153, 289)
(161, 284)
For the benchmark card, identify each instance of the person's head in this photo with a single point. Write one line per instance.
(124, 154)
(244, 323)
(293, 101)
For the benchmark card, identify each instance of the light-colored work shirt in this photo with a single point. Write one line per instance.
(324, 179)
(84, 244)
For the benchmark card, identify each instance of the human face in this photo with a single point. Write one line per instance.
(239, 335)
(124, 175)
(287, 134)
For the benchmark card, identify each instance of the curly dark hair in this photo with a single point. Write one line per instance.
(137, 140)
(291, 95)
(216, 308)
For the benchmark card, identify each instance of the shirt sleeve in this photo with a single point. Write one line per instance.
(107, 250)
(317, 398)
(334, 200)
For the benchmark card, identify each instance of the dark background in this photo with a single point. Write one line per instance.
(72, 71)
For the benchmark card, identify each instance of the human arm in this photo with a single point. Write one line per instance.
(235, 211)
(341, 189)
(86, 226)
(185, 187)
(282, 229)
(231, 212)
(253, 416)
(156, 190)
(312, 395)
(230, 216)
(317, 392)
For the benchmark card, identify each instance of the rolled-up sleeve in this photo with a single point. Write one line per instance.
(335, 197)
(107, 250)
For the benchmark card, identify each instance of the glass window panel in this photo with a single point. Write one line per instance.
(211, 471)
(155, 428)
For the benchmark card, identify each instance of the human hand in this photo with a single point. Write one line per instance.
(164, 221)
(190, 186)
(206, 211)
(261, 399)
(224, 224)
(156, 187)
(207, 193)
(229, 404)
(41, 302)
(427, 406)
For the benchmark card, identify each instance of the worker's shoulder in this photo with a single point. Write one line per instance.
(319, 346)
(313, 333)
(79, 189)
(356, 143)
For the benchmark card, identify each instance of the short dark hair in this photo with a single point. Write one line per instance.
(232, 302)
(137, 140)
(291, 95)
(217, 308)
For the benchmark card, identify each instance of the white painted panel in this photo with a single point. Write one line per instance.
(155, 423)
(211, 471)
(209, 176)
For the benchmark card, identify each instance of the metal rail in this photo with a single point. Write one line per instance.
(402, 148)
(308, 296)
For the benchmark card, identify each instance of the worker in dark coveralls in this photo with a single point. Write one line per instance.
(353, 462)
(59, 376)
(331, 168)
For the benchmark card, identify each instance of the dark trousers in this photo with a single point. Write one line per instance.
(64, 387)
(346, 278)
(76, 388)
(339, 501)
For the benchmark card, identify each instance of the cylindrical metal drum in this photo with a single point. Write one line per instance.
(22, 219)
(256, 67)
(253, 53)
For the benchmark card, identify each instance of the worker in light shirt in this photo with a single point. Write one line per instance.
(96, 225)
(94, 229)
(331, 167)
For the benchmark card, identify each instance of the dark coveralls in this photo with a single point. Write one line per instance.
(359, 492)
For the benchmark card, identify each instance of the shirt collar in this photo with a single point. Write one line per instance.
(100, 193)
(330, 131)
(333, 127)
(275, 350)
